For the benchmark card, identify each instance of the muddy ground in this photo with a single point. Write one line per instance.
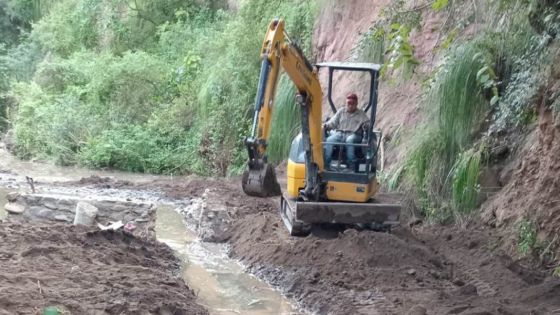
(419, 270)
(80, 270)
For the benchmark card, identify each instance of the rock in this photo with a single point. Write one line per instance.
(472, 244)
(62, 218)
(436, 275)
(130, 226)
(50, 204)
(468, 289)
(411, 272)
(85, 213)
(14, 207)
(44, 213)
(12, 197)
(417, 310)
(458, 282)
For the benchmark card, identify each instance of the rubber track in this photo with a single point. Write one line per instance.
(472, 276)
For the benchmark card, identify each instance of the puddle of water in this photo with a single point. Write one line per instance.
(220, 283)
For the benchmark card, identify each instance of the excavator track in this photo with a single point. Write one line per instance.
(287, 213)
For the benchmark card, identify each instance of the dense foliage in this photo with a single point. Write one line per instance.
(480, 90)
(150, 86)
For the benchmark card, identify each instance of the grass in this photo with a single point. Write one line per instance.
(459, 102)
(465, 174)
(285, 121)
(443, 168)
(394, 178)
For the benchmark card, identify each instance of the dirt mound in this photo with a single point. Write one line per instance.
(82, 271)
(102, 182)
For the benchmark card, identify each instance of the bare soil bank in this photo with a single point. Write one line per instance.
(84, 271)
(418, 270)
(423, 270)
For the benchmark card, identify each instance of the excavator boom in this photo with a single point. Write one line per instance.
(278, 52)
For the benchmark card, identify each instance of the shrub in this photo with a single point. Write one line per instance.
(526, 237)
(137, 148)
(124, 85)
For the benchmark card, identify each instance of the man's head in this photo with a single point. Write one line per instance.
(351, 102)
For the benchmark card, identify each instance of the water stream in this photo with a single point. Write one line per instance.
(220, 283)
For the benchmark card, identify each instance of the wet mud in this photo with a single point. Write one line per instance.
(420, 270)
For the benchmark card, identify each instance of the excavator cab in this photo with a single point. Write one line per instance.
(366, 151)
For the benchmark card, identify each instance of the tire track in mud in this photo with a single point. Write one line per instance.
(472, 276)
(371, 302)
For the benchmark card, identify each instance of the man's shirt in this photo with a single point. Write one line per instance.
(348, 122)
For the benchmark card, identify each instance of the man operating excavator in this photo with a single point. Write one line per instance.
(347, 126)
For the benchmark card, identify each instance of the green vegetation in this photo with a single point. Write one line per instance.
(526, 237)
(489, 78)
(372, 45)
(440, 166)
(387, 41)
(465, 186)
(400, 52)
(161, 87)
(285, 120)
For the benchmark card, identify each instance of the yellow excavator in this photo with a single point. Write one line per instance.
(316, 193)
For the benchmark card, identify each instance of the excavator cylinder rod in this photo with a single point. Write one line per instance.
(259, 180)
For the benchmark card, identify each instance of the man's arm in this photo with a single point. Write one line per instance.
(362, 123)
(334, 121)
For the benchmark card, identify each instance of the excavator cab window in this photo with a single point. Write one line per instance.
(366, 150)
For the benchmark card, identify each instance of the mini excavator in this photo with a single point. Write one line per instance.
(315, 193)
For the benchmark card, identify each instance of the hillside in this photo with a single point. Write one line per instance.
(469, 102)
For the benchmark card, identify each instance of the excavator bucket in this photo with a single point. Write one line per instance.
(260, 181)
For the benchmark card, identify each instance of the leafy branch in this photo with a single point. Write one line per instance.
(400, 52)
(487, 78)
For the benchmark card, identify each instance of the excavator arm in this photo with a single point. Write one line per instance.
(279, 52)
